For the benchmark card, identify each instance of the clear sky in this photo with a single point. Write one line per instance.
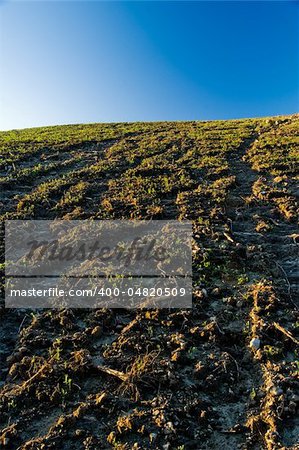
(74, 62)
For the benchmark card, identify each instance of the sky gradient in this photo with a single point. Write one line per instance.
(81, 62)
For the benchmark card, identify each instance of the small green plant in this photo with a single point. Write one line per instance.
(242, 279)
(55, 351)
(66, 388)
(67, 382)
(12, 404)
(253, 394)
(272, 351)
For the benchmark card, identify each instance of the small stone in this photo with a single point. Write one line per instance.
(255, 343)
(97, 331)
(169, 428)
(203, 414)
(295, 398)
(183, 345)
(216, 292)
(79, 432)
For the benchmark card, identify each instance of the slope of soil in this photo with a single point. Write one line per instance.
(222, 375)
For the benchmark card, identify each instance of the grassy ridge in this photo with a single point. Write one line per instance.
(134, 170)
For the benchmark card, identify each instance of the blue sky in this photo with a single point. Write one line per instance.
(74, 62)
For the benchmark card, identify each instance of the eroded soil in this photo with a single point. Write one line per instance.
(223, 375)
